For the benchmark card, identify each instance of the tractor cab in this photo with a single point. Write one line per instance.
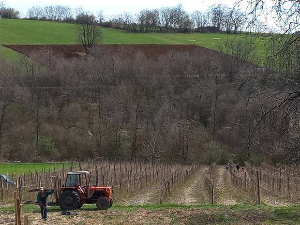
(79, 178)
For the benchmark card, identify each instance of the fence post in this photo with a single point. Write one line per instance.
(258, 188)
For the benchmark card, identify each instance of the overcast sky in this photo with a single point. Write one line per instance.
(112, 7)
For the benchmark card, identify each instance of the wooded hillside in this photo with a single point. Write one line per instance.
(191, 106)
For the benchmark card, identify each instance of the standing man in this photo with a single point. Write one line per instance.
(42, 200)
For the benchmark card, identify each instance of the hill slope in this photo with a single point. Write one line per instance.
(44, 32)
(34, 32)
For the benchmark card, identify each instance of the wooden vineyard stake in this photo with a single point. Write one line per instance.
(26, 221)
(17, 204)
(16, 208)
(2, 194)
(258, 188)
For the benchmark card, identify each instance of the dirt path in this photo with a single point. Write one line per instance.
(273, 200)
(224, 191)
(149, 194)
(228, 195)
(192, 191)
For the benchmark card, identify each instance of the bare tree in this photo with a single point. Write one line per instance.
(217, 15)
(165, 20)
(67, 14)
(227, 23)
(238, 19)
(9, 13)
(89, 33)
(32, 13)
(142, 20)
(117, 21)
(127, 21)
(49, 12)
(200, 20)
(100, 16)
(2, 7)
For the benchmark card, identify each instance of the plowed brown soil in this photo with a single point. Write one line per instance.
(74, 51)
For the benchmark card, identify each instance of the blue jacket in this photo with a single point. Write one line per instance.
(39, 196)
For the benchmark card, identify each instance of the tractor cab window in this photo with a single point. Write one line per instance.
(72, 180)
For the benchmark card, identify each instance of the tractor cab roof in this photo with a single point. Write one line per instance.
(78, 172)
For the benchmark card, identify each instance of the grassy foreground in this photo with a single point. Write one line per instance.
(168, 214)
(28, 32)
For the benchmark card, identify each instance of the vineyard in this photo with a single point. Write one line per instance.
(136, 183)
(156, 184)
(126, 178)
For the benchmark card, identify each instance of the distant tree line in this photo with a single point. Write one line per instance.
(218, 18)
(8, 12)
(51, 13)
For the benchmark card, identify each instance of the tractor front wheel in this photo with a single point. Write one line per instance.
(102, 203)
(69, 200)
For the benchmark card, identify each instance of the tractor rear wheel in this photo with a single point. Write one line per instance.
(102, 203)
(69, 200)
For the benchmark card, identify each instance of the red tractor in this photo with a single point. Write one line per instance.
(76, 191)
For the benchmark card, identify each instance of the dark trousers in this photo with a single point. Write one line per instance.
(44, 211)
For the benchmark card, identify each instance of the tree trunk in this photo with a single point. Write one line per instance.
(37, 125)
(99, 123)
(1, 124)
(134, 142)
(214, 115)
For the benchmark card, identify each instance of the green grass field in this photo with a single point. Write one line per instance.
(43, 32)
(20, 168)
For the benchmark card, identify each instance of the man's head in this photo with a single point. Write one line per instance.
(41, 189)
